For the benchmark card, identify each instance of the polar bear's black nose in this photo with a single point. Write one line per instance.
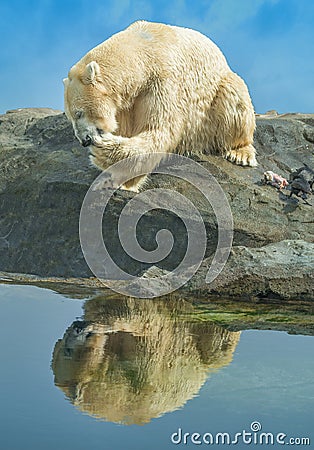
(87, 141)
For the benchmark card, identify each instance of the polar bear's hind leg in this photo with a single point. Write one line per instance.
(234, 121)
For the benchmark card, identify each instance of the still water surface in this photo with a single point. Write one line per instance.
(127, 374)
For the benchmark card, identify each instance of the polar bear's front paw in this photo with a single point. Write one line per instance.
(244, 156)
(108, 141)
(101, 158)
(106, 150)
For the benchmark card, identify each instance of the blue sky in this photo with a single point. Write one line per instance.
(270, 43)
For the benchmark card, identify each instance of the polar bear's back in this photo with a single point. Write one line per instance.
(170, 52)
(184, 44)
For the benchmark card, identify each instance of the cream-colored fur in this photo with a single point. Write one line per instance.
(158, 88)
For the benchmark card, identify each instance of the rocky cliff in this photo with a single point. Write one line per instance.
(45, 174)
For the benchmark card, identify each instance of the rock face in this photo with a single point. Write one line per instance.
(45, 174)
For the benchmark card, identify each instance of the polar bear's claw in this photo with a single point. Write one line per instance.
(244, 156)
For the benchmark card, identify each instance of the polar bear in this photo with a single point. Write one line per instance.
(158, 88)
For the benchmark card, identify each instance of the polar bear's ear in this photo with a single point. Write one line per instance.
(92, 73)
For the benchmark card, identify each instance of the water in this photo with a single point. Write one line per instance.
(129, 374)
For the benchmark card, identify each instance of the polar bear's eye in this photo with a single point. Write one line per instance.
(78, 114)
(100, 131)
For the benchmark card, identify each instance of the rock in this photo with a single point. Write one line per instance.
(280, 270)
(45, 174)
(308, 133)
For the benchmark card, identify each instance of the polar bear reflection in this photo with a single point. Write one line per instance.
(130, 361)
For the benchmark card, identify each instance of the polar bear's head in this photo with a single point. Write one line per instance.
(88, 105)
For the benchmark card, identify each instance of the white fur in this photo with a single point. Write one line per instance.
(158, 88)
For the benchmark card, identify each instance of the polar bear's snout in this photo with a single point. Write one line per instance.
(87, 132)
(87, 141)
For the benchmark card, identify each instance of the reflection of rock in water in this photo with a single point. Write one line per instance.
(132, 360)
